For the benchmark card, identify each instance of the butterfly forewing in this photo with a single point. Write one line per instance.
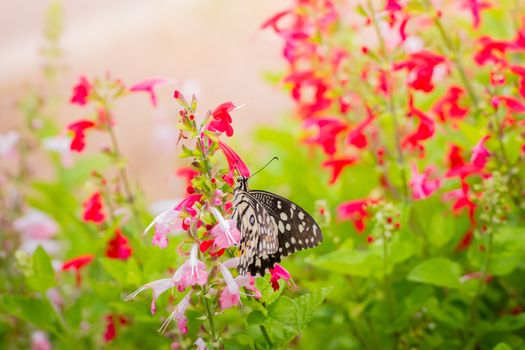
(271, 227)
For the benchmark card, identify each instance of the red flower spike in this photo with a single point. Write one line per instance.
(329, 129)
(149, 87)
(234, 161)
(81, 92)
(354, 211)
(222, 119)
(338, 166)
(93, 209)
(448, 106)
(77, 264)
(118, 247)
(78, 142)
(420, 66)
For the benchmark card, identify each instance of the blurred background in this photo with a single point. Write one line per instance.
(212, 48)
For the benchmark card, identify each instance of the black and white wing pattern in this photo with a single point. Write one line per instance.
(271, 227)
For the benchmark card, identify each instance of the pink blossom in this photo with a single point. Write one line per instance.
(278, 272)
(480, 153)
(81, 92)
(8, 142)
(192, 272)
(157, 287)
(225, 232)
(179, 315)
(164, 223)
(201, 345)
(36, 225)
(40, 341)
(421, 185)
(149, 87)
(230, 295)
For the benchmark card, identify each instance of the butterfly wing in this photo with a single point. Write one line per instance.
(258, 233)
(297, 229)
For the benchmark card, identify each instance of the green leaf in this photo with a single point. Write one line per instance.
(42, 276)
(30, 310)
(439, 272)
(350, 262)
(502, 346)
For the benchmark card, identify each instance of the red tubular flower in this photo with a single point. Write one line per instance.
(492, 51)
(79, 134)
(187, 173)
(512, 104)
(354, 211)
(392, 6)
(274, 20)
(356, 136)
(234, 161)
(278, 272)
(520, 70)
(93, 210)
(338, 166)
(149, 87)
(187, 204)
(222, 119)
(77, 264)
(326, 137)
(475, 8)
(424, 131)
(420, 66)
(110, 332)
(448, 106)
(81, 92)
(480, 153)
(118, 247)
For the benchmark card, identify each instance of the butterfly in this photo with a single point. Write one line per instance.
(271, 227)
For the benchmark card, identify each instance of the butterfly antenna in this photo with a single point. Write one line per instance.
(258, 171)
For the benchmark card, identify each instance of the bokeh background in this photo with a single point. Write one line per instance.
(212, 48)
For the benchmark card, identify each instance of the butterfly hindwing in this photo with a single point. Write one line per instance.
(258, 233)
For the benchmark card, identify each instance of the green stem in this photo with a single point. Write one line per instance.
(266, 336)
(455, 59)
(209, 314)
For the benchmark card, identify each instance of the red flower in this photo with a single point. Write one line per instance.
(337, 166)
(491, 51)
(118, 247)
(77, 264)
(392, 6)
(149, 86)
(421, 185)
(326, 137)
(234, 161)
(420, 66)
(79, 137)
(222, 119)
(475, 8)
(462, 200)
(512, 104)
(455, 159)
(480, 153)
(424, 131)
(273, 21)
(111, 332)
(448, 106)
(187, 173)
(354, 211)
(81, 92)
(278, 272)
(520, 70)
(93, 209)
(356, 136)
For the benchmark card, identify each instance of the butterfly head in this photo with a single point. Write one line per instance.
(242, 184)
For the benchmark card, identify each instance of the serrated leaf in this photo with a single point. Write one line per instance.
(439, 272)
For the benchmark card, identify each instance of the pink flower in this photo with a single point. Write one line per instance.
(278, 272)
(355, 211)
(164, 223)
(421, 185)
(93, 209)
(192, 272)
(78, 142)
(157, 287)
(328, 130)
(230, 295)
(421, 67)
(338, 166)
(225, 232)
(149, 87)
(36, 225)
(234, 161)
(118, 247)
(179, 315)
(201, 345)
(81, 92)
(222, 119)
(8, 143)
(40, 341)
(77, 264)
(187, 204)
(480, 153)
